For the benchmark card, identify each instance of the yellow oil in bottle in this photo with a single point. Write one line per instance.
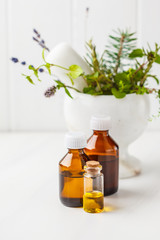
(93, 202)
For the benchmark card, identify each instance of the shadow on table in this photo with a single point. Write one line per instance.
(135, 191)
(118, 200)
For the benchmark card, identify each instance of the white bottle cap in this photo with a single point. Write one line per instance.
(100, 123)
(75, 140)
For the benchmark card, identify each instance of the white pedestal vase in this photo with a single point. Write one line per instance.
(129, 120)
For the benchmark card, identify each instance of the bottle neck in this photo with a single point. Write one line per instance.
(76, 151)
(93, 172)
(102, 133)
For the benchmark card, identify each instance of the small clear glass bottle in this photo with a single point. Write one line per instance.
(71, 170)
(93, 198)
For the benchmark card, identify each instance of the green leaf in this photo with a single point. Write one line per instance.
(29, 79)
(70, 78)
(30, 67)
(141, 90)
(157, 60)
(117, 39)
(95, 75)
(75, 71)
(136, 53)
(107, 87)
(154, 77)
(60, 83)
(121, 77)
(36, 73)
(89, 90)
(47, 66)
(118, 94)
(68, 93)
(92, 78)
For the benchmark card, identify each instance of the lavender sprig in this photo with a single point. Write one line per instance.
(50, 91)
(39, 40)
(15, 60)
(24, 63)
(73, 72)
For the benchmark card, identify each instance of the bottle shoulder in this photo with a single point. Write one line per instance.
(114, 142)
(101, 144)
(71, 160)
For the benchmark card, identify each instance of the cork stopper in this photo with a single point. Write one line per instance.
(92, 164)
(93, 167)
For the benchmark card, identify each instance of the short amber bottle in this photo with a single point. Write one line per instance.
(102, 148)
(71, 170)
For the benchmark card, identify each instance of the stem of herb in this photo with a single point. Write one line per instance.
(119, 54)
(72, 88)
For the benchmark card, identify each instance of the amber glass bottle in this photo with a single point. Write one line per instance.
(71, 170)
(102, 148)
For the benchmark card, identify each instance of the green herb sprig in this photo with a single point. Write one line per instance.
(73, 72)
(120, 70)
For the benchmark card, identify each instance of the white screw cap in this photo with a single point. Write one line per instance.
(75, 140)
(100, 122)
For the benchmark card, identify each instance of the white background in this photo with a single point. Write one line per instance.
(23, 106)
(29, 206)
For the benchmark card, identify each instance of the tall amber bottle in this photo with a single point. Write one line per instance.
(102, 148)
(71, 170)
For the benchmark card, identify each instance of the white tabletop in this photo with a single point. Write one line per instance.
(29, 203)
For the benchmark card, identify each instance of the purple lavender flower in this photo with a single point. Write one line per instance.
(35, 39)
(35, 31)
(50, 91)
(15, 60)
(41, 70)
(39, 40)
(87, 9)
